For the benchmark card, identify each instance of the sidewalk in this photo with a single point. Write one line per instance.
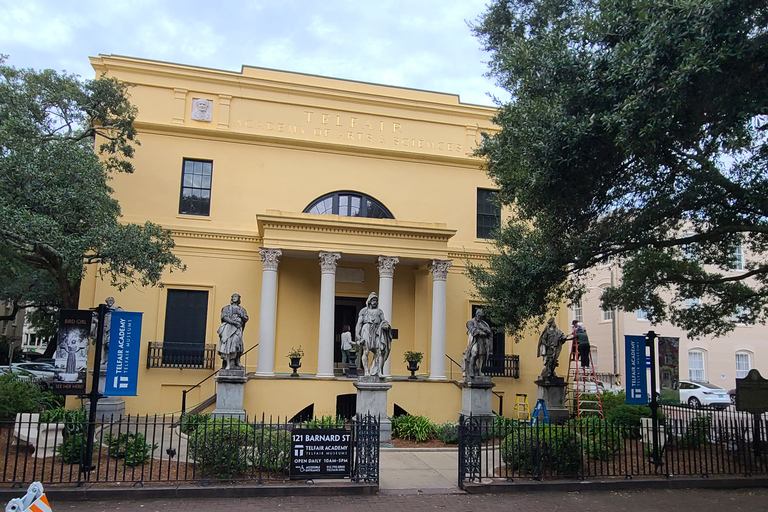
(420, 470)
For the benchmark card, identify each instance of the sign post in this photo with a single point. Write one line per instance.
(651, 342)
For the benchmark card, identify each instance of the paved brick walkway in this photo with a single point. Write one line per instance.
(685, 500)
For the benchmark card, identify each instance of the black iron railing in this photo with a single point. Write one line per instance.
(501, 365)
(692, 442)
(195, 448)
(181, 355)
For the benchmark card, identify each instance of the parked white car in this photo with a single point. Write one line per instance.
(44, 370)
(697, 394)
(22, 374)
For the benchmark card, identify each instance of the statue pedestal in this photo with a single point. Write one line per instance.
(372, 399)
(230, 384)
(553, 394)
(108, 408)
(476, 397)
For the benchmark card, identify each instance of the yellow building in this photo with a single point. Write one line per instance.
(304, 194)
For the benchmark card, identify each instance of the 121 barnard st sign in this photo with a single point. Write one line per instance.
(321, 453)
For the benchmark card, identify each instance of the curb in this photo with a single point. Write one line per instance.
(101, 493)
(617, 485)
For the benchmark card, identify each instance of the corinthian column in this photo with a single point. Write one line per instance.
(327, 301)
(386, 266)
(265, 366)
(439, 269)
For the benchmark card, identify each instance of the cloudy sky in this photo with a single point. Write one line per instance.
(422, 44)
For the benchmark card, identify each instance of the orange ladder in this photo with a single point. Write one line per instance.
(582, 381)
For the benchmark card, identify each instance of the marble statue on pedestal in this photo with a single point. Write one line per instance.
(374, 336)
(233, 319)
(479, 345)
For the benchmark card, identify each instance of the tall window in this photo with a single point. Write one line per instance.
(692, 303)
(488, 212)
(186, 313)
(696, 365)
(743, 364)
(593, 355)
(196, 187)
(578, 312)
(738, 258)
(607, 314)
(349, 204)
(642, 314)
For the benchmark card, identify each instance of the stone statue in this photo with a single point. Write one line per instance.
(479, 345)
(550, 343)
(233, 319)
(201, 109)
(374, 334)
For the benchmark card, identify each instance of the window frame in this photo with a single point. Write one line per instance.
(203, 212)
(738, 258)
(703, 369)
(483, 203)
(740, 374)
(578, 312)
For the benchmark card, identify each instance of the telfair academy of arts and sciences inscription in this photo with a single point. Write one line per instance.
(371, 132)
(321, 453)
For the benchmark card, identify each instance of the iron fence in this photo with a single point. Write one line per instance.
(162, 449)
(692, 442)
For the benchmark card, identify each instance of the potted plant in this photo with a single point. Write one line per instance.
(295, 356)
(413, 359)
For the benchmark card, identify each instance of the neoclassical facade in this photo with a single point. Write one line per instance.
(304, 194)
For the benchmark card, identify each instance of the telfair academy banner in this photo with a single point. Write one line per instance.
(123, 355)
(635, 380)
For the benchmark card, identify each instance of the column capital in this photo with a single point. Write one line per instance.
(386, 265)
(328, 261)
(439, 269)
(270, 258)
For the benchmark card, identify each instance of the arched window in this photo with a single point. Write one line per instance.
(349, 204)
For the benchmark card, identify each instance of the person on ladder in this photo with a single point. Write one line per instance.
(582, 345)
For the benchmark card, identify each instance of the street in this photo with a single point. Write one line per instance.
(686, 500)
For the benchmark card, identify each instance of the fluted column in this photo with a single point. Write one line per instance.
(439, 269)
(327, 302)
(386, 266)
(265, 366)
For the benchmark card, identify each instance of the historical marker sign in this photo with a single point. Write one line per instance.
(752, 393)
(321, 453)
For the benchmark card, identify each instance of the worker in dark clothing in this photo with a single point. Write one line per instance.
(582, 344)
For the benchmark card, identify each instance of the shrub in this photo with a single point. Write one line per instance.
(72, 449)
(669, 397)
(132, 448)
(18, 396)
(448, 433)
(628, 417)
(325, 422)
(542, 448)
(414, 428)
(697, 433)
(220, 447)
(272, 450)
(190, 422)
(612, 399)
(599, 439)
(73, 420)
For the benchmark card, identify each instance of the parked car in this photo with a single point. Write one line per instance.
(39, 369)
(697, 394)
(22, 374)
(586, 384)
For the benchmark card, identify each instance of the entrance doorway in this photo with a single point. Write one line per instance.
(347, 309)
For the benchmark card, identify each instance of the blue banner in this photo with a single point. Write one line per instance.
(123, 355)
(635, 380)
